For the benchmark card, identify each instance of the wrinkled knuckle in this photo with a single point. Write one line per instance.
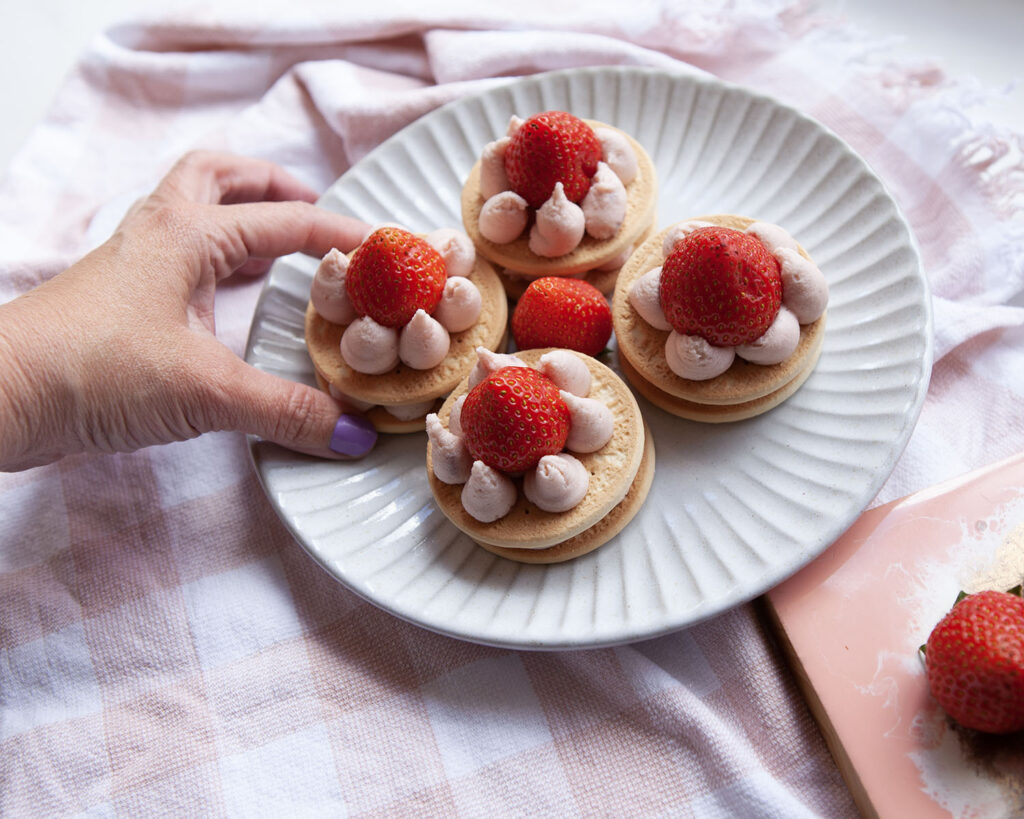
(175, 221)
(209, 400)
(297, 416)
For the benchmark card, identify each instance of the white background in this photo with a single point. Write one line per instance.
(40, 39)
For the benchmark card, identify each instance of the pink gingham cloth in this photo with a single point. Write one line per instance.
(167, 648)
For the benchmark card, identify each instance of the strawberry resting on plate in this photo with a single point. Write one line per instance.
(560, 312)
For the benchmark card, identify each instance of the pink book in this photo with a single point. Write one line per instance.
(852, 622)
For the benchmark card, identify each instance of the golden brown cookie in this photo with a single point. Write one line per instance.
(405, 385)
(620, 477)
(742, 391)
(591, 253)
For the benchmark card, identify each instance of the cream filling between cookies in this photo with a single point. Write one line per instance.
(559, 225)
(372, 349)
(804, 299)
(558, 482)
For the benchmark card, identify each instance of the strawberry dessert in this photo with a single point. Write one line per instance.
(559, 196)
(395, 326)
(560, 312)
(720, 319)
(540, 456)
(975, 662)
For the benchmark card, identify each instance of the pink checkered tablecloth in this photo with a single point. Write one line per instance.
(167, 648)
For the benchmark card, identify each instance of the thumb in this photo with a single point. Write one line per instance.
(296, 416)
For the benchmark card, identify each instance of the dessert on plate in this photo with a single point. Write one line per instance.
(719, 318)
(559, 196)
(555, 311)
(395, 326)
(540, 456)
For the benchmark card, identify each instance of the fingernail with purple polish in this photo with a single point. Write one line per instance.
(353, 435)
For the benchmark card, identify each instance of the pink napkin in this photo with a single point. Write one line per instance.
(167, 647)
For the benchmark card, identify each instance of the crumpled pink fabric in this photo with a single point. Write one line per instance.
(167, 647)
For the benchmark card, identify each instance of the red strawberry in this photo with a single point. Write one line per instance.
(513, 418)
(392, 274)
(552, 147)
(975, 662)
(560, 312)
(721, 284)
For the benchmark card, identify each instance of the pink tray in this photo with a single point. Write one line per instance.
(852, 622)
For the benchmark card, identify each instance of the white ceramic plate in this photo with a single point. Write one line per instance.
(734, 508)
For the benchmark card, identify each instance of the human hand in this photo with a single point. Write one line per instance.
(118, 352)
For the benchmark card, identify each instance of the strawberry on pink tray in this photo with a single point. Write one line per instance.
(975, 662)
(852, 622)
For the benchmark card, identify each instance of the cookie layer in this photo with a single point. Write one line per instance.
(642, 348)
(602, 531)
(714, 413)
(405, 385)
(612, 472)
(642, 194)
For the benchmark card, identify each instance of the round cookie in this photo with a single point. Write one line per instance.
(403, 384)
(620, 476)
(743, 391)
(642, 194)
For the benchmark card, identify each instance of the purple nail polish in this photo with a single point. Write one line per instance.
(353, 435)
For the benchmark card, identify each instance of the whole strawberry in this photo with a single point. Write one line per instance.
(721, 284)
(551, 147)
(392, 274)
(560, 312)
(513, 418)
(975, 662)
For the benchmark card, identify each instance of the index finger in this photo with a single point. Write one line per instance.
(266, 230)
(212, 177)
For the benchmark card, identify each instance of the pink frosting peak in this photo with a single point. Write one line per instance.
(487, 495)
(557, 484)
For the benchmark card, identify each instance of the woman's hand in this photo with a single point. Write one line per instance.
(118, 352)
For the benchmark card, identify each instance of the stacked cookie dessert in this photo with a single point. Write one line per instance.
(559, 196)
(395, 327)
(719, 318)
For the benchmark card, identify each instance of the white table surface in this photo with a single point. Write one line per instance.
(40, 40)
